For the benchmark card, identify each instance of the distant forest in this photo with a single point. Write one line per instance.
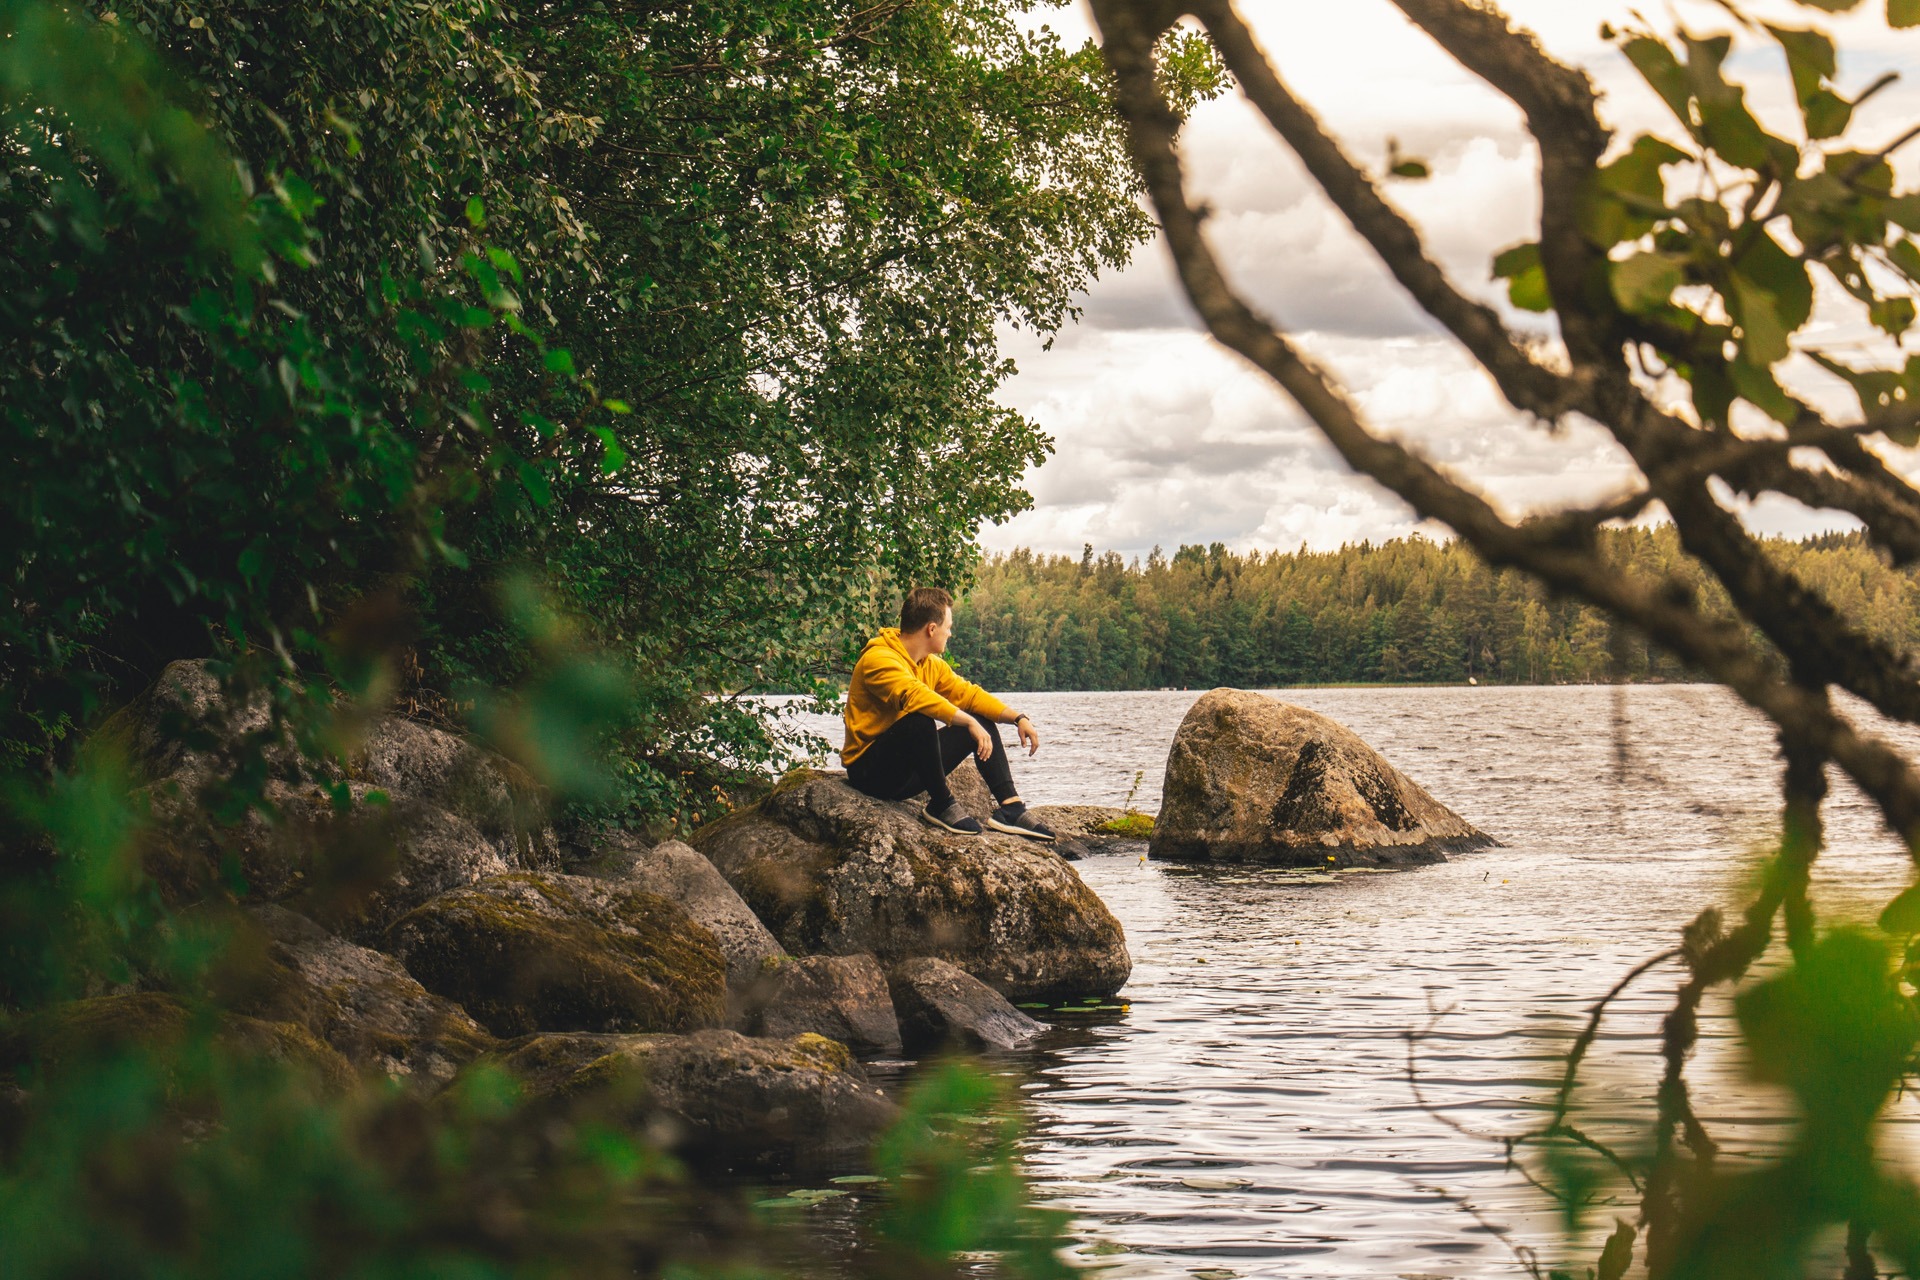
(1406, 611)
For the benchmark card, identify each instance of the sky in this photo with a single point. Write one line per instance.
(1162, 437)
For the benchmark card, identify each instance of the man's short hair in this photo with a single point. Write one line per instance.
(923, 605)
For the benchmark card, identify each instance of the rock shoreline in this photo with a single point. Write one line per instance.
(720, 993)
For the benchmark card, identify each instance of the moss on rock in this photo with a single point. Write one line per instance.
(720, 1098)
(527, 953)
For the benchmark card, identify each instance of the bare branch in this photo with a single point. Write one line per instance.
(1526, 383)
(1559, 104)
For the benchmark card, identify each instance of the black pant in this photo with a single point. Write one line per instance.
(918, 752)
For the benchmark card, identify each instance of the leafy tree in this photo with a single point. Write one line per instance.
(1691, 253)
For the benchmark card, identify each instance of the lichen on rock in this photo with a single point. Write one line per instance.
(680, 873)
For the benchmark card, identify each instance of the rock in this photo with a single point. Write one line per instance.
(843, 998)
(184, 723)
(833, 872)
(718, 1097)
(940, 1006)
(527, 952)
(1251, 779)
(359, 1001)
(679, 873)
(442, 770)
(357, 871)
(153, 1022)
(1080, 821)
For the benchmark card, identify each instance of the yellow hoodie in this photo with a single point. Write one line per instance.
(887, 684)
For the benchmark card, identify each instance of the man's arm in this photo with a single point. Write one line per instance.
(973, 703)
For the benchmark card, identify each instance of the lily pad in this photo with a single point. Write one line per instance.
(1103, 1249)
(855, 1179)
(1213, 1273)
(812, 1195)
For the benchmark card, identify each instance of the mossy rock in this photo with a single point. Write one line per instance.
(834, 872)
(425, 765)
(527, 953)
(356, 870)
(282, 966)
(157, 1023)
(719, 1098)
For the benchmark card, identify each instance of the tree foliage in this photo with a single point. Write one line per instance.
(686, 310)
(1405, 611)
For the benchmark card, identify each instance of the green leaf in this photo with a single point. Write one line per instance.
(1903, 13)
(1763, 334)
(1526, 279)
(535, 482)
(1661, 69)
(1905, 255)
(1827, 114)
(1902, 915)
(1756, 385)
(1646, 280)
(1784, 277)
(614, 457)
(560, 361)
(476, 212)
(1411, 169)
(1629, 194)
(1894, 315)
(1904, 211)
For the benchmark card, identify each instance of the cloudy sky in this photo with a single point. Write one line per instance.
(1162, 437)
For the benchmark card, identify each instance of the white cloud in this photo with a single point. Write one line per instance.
(1163, 437)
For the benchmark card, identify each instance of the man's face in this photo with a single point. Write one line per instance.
(940, 632)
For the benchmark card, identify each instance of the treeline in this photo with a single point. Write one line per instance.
(1406, 611)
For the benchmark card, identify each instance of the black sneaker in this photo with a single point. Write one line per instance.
(953, 818)
(1019, 822)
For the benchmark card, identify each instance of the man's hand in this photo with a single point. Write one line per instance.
(982, 743)
(1029, 737)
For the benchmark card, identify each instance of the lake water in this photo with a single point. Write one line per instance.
(1250, 1113)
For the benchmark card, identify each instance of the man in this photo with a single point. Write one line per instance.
(910, 720)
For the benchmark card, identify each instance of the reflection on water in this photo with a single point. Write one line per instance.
(1250, 1113)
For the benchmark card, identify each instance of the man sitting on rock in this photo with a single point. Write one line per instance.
(910, 720)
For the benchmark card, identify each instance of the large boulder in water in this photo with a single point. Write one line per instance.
(1252, 779)
(831, 871)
